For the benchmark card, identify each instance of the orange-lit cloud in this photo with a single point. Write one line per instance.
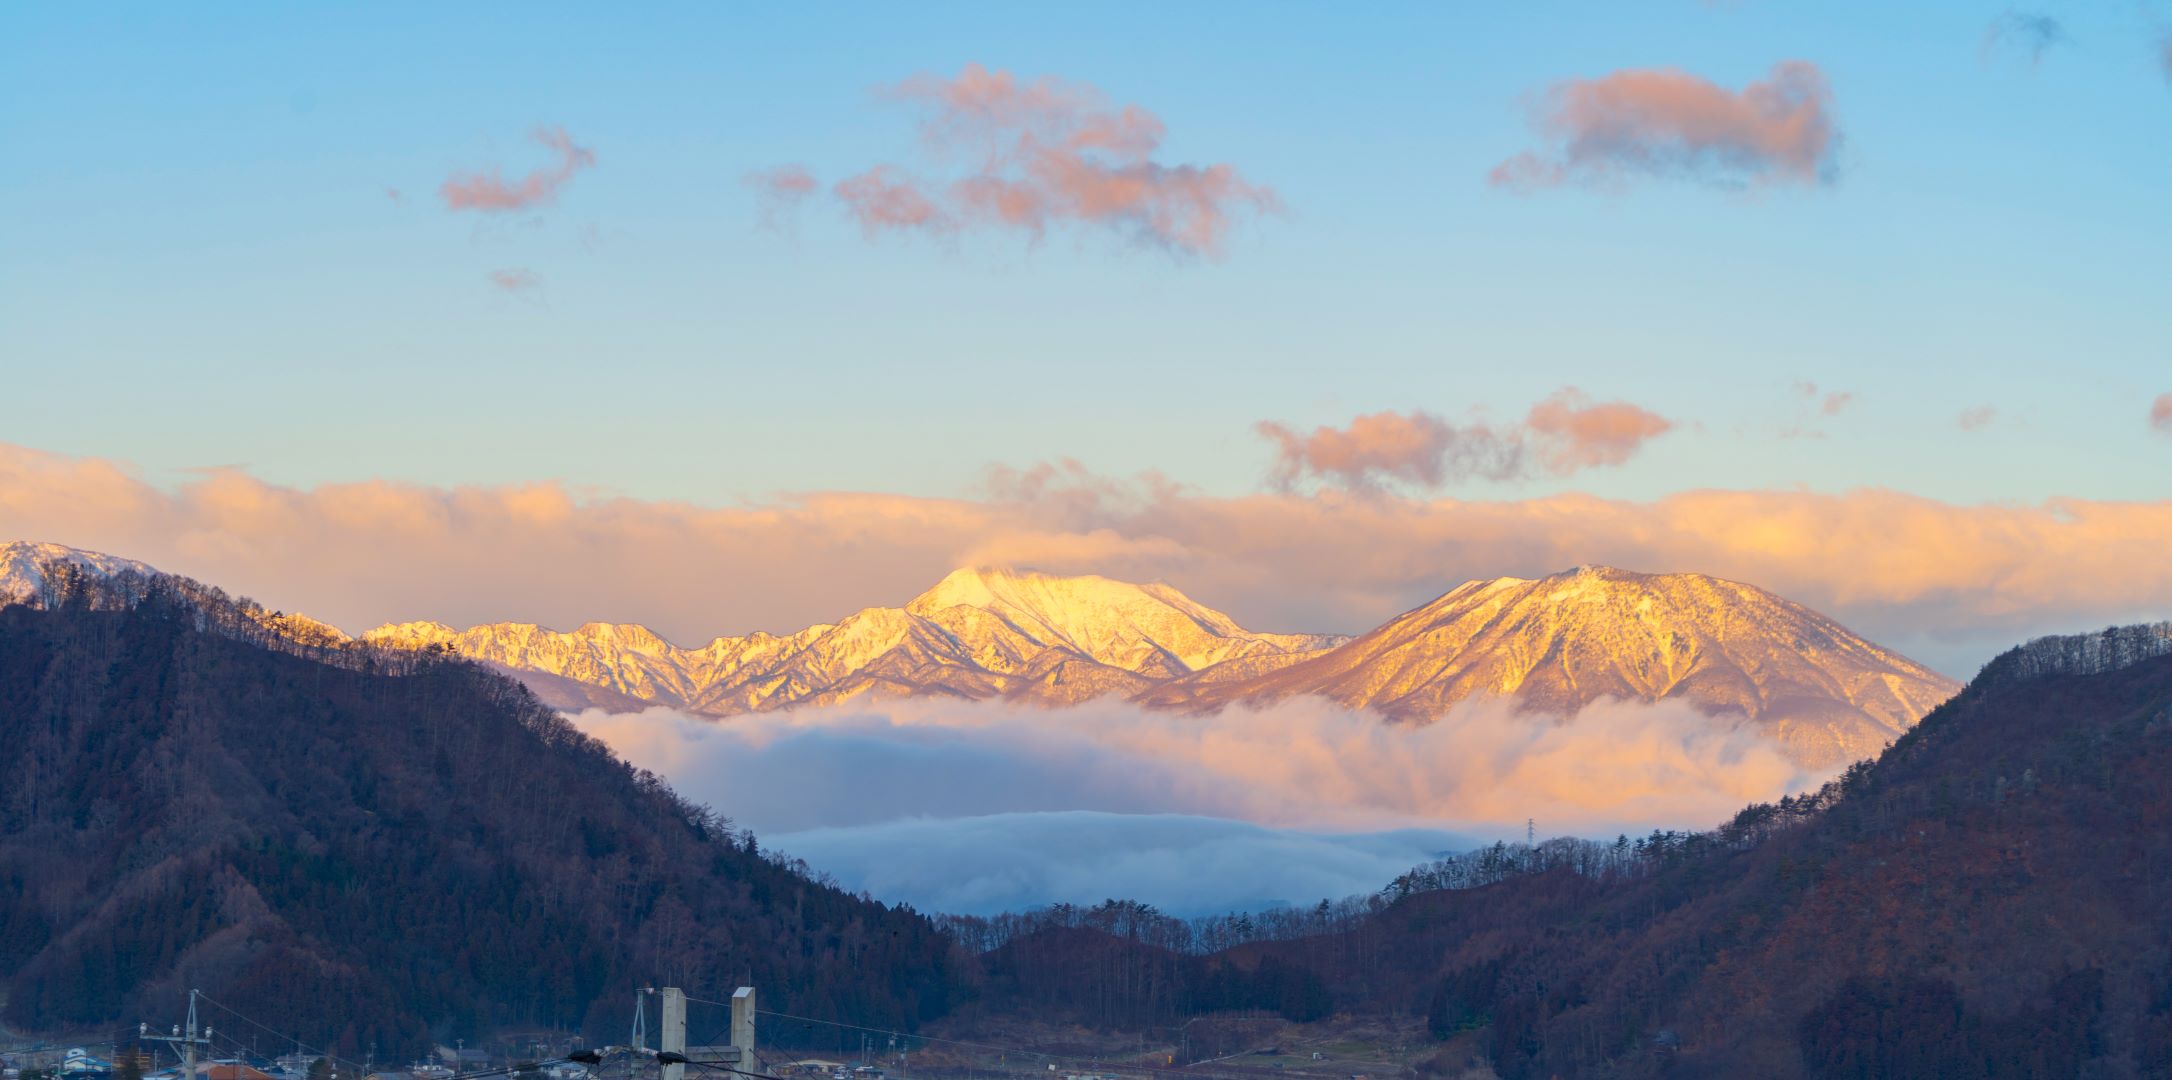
(1670, 124)
(1302, 763)
(515, 279)
(779, 190)
(1044, 153)
(1410, 447)
(488, 191)
(2160, 413)
(1948, 583)
(1570, 432)
(1561, 435)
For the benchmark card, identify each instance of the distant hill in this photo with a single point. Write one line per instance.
(385, 848)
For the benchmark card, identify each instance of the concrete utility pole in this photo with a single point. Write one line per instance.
(184, 1044)
(671, 1033)
(671, 1029)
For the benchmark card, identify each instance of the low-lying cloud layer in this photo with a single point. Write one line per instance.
(1306, 763)
(1184, 865)
(1950, 584)
(1670, 124)
(1563, 434)
(895, 794)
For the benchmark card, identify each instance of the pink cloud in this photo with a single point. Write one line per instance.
(1412, 448)
(1670, 124)
(2160, 413)
(515, 279)
(1950, 582)
(880, 199)
(1977, 418)
(1045, 153)
(780, 190)
(1561, 435)
(1573, 433)
(489, 191)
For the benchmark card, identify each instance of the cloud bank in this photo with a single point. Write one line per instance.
(1669, 124)
(1563, 434)
(489, 192)
(1026, 156)
(976, 805)
(1950, 584)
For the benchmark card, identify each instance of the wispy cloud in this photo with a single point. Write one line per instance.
(1977, 418)
(1819, 404)
(515, 279)
(1563, 434)
(882, 198)
(489, 191)
(778, 191)
(1043, 153)
(2029, 33)
(2160, 413)
(1669, 124)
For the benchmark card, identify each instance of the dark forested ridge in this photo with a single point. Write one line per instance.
(372, 857)
(1991, 898)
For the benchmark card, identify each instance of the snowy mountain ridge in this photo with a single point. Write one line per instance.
(1555, 644)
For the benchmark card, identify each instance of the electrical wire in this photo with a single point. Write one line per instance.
(360, 1070)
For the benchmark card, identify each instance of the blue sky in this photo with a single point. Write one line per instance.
(199, 263)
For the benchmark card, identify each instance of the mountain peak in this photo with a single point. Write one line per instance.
(994, 587)
(1562, 641)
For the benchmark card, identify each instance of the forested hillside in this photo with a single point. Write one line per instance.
(373, 850)
(1990, 898)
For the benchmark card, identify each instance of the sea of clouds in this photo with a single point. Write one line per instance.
(977, 807)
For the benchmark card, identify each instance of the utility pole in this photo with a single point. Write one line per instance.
(184, 1044)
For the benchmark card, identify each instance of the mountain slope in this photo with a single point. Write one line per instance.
(979, 633)
(368, 847)
(1560, 642)
(1992, 897)
(25, 566)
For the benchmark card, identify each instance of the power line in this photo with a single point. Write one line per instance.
(359, 1069)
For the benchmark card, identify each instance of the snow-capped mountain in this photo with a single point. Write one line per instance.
(979, 633)
(1554, 644)
(1560, 642)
